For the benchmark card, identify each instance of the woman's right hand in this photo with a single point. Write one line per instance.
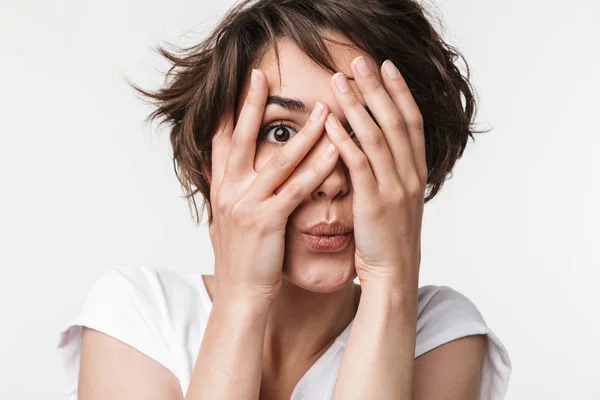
(249, 221)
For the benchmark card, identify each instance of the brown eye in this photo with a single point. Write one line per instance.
(278, 134)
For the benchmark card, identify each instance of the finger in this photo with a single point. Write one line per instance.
(368, 133)
(240, 160)
(220, 149)
(296, 190)
(389, 118)
(282, 164)
(404, 100)
(354, 158)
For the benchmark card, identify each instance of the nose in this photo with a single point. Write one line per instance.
(336, 183)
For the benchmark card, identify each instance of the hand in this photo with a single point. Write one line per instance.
(249, 220)
(389, 177)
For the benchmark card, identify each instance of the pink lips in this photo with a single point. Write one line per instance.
(335, 227)
(325, 243)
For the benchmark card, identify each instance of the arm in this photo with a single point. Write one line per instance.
(228, 365)
(378, 361)
(230, 357)
(111, 369)
(454, 368)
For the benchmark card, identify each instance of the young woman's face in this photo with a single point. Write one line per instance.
(302, 79)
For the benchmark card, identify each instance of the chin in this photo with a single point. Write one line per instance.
(319, 272)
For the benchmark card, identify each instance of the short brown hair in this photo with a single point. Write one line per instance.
(206, 79)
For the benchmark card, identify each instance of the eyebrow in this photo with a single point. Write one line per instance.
(297, 105)
(289, 103)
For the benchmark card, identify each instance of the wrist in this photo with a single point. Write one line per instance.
(243, 304)
(396, 295)
(241, 292)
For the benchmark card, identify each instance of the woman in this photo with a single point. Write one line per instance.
(260, 113)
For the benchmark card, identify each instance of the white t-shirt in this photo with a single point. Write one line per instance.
(163, 314)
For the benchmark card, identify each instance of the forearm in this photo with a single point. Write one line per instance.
(378, 361)
(229, 363)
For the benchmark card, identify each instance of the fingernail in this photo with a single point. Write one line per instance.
(341, 82)
(390, 69)
(255, 80)
(362, 66)
(317, 111)
(332, 121)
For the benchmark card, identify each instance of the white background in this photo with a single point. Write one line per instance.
(85, 185)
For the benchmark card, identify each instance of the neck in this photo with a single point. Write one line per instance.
(302, 325)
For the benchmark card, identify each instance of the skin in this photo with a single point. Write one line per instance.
(318, 298)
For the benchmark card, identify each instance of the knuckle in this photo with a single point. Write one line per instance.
(417, 122)
(377, 139)
(294, 191)
(411, 189)
(222, 204)
(402, 87)
(352, 101)
(396, 123)
(373, 85)
(243, 215)
(394, 192)
(361, 163)
(377, 210)
(398, 196)
(414, 187)
(342, 142)
(279, 160)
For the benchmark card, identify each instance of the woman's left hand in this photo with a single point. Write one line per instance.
(389, 174)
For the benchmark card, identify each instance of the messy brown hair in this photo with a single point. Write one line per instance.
(206, 79)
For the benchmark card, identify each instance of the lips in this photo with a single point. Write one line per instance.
(334, 228)
(326, 243)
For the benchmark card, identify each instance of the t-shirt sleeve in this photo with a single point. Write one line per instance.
(446, 315)
(123, 304)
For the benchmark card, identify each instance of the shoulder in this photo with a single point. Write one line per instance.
(445, 315)
(159, 291)
(152, 310)
(442, 308)
(161, 295)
